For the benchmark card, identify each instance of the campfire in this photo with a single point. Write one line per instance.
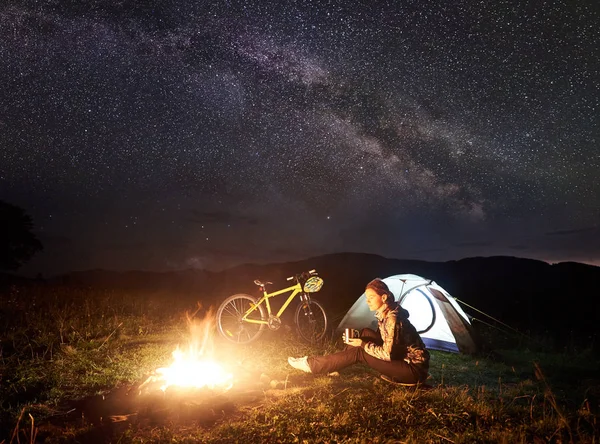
(195, 387)
(193, 367)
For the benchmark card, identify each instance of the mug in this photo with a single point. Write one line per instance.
(350, 333)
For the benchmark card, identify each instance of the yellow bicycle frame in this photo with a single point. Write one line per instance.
(265, 298)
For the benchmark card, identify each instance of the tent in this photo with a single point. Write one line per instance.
(436, 315)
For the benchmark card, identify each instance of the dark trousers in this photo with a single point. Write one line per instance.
(401, 371)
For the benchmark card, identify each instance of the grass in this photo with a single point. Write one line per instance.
(64, 351)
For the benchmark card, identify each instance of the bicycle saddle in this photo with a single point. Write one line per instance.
(262, 284)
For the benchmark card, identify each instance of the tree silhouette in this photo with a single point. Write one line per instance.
(17, 243)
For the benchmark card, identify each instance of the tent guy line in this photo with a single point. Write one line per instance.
(491, 317)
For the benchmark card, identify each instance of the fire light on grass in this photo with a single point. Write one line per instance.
(195, 367)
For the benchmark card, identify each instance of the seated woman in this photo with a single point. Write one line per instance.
(395, 350)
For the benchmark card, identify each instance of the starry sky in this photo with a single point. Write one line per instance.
(164, 135)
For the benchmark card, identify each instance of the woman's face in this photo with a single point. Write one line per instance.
(374, 301)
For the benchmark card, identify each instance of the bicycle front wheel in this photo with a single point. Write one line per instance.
(230, 323)
(311, 321)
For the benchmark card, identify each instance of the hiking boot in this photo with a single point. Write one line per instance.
(300, 364)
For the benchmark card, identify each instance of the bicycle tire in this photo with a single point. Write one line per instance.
(311, 321)
(229, 319)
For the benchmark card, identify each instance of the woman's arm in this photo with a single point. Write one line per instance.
(386, 330)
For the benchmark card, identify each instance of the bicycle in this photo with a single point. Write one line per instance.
(242, 318)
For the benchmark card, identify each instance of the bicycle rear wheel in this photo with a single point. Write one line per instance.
(229, 319)
(311, 321)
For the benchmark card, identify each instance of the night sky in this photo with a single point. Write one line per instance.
(176, 134)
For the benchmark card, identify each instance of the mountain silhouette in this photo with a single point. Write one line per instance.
(560, 299)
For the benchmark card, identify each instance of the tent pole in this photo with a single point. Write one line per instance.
(401, 290)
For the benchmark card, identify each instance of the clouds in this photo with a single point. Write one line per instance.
(585, 230)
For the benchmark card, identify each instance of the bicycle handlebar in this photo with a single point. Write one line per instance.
(311, 272)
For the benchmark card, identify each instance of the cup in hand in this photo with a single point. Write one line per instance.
(350, 333)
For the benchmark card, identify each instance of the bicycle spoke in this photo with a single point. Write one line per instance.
(311, 321)
(228, 310)
(238, 306)
(230, 322)
(234, 312)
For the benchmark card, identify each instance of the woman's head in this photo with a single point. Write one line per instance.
(378, 293)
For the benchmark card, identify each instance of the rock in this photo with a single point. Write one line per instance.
(278, 385)
(265, 379)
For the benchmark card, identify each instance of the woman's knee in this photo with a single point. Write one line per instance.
(369, 335)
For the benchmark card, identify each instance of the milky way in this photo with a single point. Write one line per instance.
(189, 134)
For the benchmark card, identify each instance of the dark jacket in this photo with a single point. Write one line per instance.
(399, 339)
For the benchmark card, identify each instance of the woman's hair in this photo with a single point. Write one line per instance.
(380, 287)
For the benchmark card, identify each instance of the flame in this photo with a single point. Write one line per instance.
(192, 371)
(194, 368)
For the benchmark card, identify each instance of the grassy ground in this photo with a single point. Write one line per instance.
(71, 363)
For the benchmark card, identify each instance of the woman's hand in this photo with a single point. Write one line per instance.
(355, 342)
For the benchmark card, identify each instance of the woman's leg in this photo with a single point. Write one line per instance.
(399, 370)
(348, 356)
(368, 335)
(336, 361)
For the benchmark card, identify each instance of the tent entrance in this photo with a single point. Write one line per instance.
(416, 301)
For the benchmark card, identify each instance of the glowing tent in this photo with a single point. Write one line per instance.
(436, 315)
